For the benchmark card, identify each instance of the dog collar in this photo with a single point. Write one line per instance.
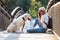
(23, 18)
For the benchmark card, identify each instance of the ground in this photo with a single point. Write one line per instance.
(27, 36)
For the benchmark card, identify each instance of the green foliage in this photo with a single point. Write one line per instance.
(34, 8)
(43, 2)
(27, 5)
(35, 5)
(11, 4)
(33, 13)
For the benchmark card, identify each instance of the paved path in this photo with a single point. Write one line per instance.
(34, 36)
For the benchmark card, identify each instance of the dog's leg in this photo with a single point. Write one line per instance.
(22, 26)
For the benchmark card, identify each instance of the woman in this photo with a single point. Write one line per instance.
(42, 20)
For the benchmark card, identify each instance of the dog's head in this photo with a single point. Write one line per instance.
(27, 17)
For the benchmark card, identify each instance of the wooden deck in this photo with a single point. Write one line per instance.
(32, 36)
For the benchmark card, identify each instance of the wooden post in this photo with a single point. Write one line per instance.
(54, 13)
(4, 19)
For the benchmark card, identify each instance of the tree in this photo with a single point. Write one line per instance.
(43, 2)
(11, 4)
(35, 6)
(25, 4)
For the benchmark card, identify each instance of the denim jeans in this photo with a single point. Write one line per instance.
(36, 30)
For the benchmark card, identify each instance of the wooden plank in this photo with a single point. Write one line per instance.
(32, 36)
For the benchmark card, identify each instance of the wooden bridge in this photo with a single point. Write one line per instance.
(27, 36)
(54, 13)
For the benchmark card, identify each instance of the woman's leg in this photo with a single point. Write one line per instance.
(37, 30)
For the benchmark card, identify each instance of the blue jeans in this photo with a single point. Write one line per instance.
(37, 30)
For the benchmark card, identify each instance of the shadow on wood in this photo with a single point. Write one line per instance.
(5, 19)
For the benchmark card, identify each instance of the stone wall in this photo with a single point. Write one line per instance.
(54, 13)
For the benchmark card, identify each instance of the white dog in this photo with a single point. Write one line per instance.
(18, 24)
